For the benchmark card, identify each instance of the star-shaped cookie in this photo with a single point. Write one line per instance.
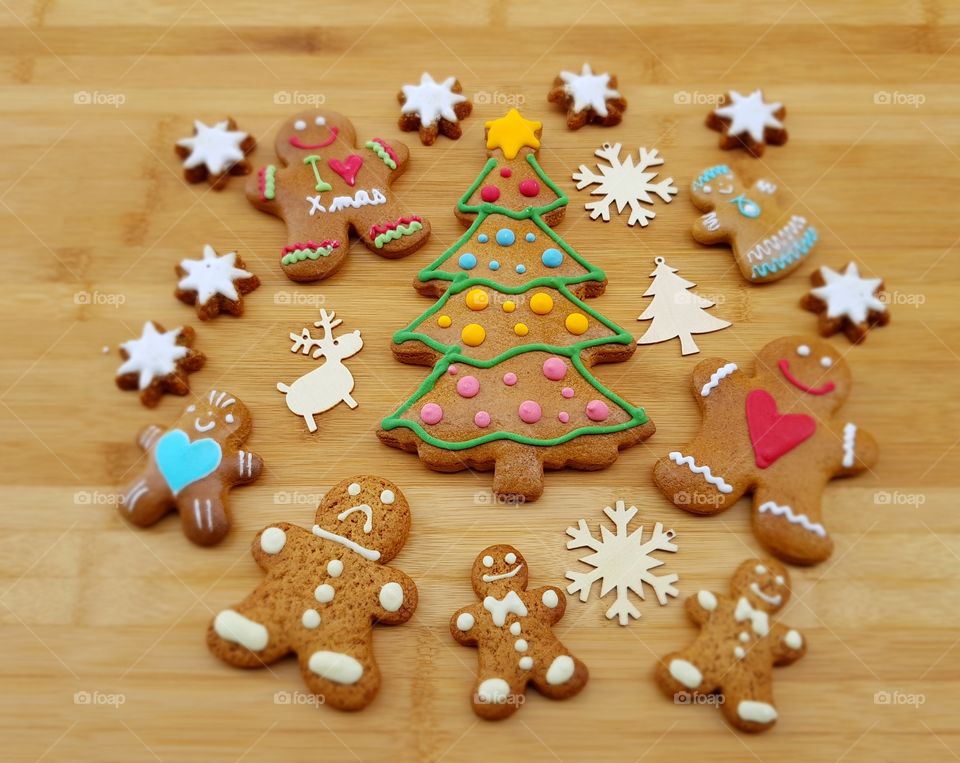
(158, 362)
(512, 132)
(846, 302)
(433, 108)
(215, 283)
(215, 152)
(588, 98)
(748, 121)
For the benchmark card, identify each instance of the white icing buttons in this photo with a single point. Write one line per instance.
(744, 636)
(520, 645)
(515, 629)
(310, 619)
(387, 497)
(354, 489)
(324, 593)
(550, 598)
(739, 652)
(334, 568)
(391, 596)
(526, 663)
(273, 540)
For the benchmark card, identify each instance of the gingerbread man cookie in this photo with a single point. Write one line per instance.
(768, 242)
(846, 302)
(749, 122)
(433, 108)
(323, 592)
(738, 646)
(214, 284)
(588, 98)
(777, 434)
(215, 152)
(512, 628)
(325, 186)
(191, 467)
(159, 362)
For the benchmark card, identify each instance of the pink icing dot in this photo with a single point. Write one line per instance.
(554, 369)
(597, 410)
(452, 370)
(530, 412)
(564, 417)
(481, 419)
(468, 386)
(489, 193)
(567, 392)
(529, 187)
(431, 413)
(510, 378)
(505, 172)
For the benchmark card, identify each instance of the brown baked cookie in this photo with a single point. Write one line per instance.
(191, 467)
(512, 630)
(325, 186)
(846, 302)
(768, 243)
(588, 98)
(738, 646)
(159, 362)
(323, 592)
(433, 108)
(777, 434)
(215, 152)
(748, 121)
(214, 284)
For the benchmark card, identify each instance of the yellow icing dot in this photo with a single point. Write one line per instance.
(477, 299)
(541, 303)
(509, 307)
(473, 335)
(521, 329)
(576, 323)
(444, 321)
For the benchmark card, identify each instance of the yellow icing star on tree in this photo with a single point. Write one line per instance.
(511, 133)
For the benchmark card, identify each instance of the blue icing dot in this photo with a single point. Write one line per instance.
(552, 258)
(494, 265)
(483, 238)
(467, 261)
(505, 237)
(530, 237)
(521, 268)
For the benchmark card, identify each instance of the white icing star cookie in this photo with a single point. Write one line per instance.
(588, 97)
(846, 302)
(214, 151)
(433, 107)
(748, 121)
(214, 283)
(158, 362)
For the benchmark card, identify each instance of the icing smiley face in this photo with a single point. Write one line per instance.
(499, 569)
(763, 583)
(312, 131)
(808, 366)
(217, 415)
(368, 515)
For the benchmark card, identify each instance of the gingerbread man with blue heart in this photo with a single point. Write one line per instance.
(191, 467)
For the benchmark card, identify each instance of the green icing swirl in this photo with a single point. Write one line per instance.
(382, 153)
(395, 233)
(299, 255)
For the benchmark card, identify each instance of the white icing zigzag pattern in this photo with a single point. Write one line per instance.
(678, 458)
(797, 519)
(721, 373)
(849, 444)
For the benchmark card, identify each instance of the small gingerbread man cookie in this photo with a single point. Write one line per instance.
(433, 108)
(846, 302)
(323, 592)
(749, 122)
(768, 243)
(775, 433)
(191, 467)
(512, 628)
(588, 98)
(158, 362)
(325, 186)
(214, 284)
(738, 646)
(215, 152)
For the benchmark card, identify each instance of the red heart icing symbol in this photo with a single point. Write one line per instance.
(773, 434)
(347, 170)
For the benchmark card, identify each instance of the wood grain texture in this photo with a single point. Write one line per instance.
(91, 203)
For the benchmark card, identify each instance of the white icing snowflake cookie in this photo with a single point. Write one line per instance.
(215, 283)
(749, 122)
(433, 108)
(158, 362)
(846, 302)
(214, 152)
(624, 183)
(588, 98)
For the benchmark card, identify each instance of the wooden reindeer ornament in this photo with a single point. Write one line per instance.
(327, 385)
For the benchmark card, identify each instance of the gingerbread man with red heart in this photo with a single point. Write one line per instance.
(776, 434)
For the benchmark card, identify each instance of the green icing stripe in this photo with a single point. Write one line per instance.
(382, 153)
(489, 207)
(394, 233)
(637, 415)
(299, 255)
(270, 182)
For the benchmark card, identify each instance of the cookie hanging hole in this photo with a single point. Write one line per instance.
(659, 261)
(607, 147)
(670, 534)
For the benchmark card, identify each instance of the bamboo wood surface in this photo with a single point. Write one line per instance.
(95, 214)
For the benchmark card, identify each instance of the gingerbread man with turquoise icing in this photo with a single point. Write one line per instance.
(191, 467)
(325, 186)
(776, 433)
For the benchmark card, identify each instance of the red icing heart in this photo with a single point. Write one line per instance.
(773, 434)
(347, 170)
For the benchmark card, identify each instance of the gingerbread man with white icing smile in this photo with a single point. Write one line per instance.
(326, 186)
(512, 628)
(775, 433)
(323, 591)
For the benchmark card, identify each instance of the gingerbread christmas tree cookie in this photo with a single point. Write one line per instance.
(846, 302)
(512, 630)
(433, 108)
(159, 362)
(588, 98)
(511, 339)
(748, 121)
(215, 152)
(214, 284)
(738, 646)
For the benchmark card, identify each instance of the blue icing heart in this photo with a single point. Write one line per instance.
(182, 462)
